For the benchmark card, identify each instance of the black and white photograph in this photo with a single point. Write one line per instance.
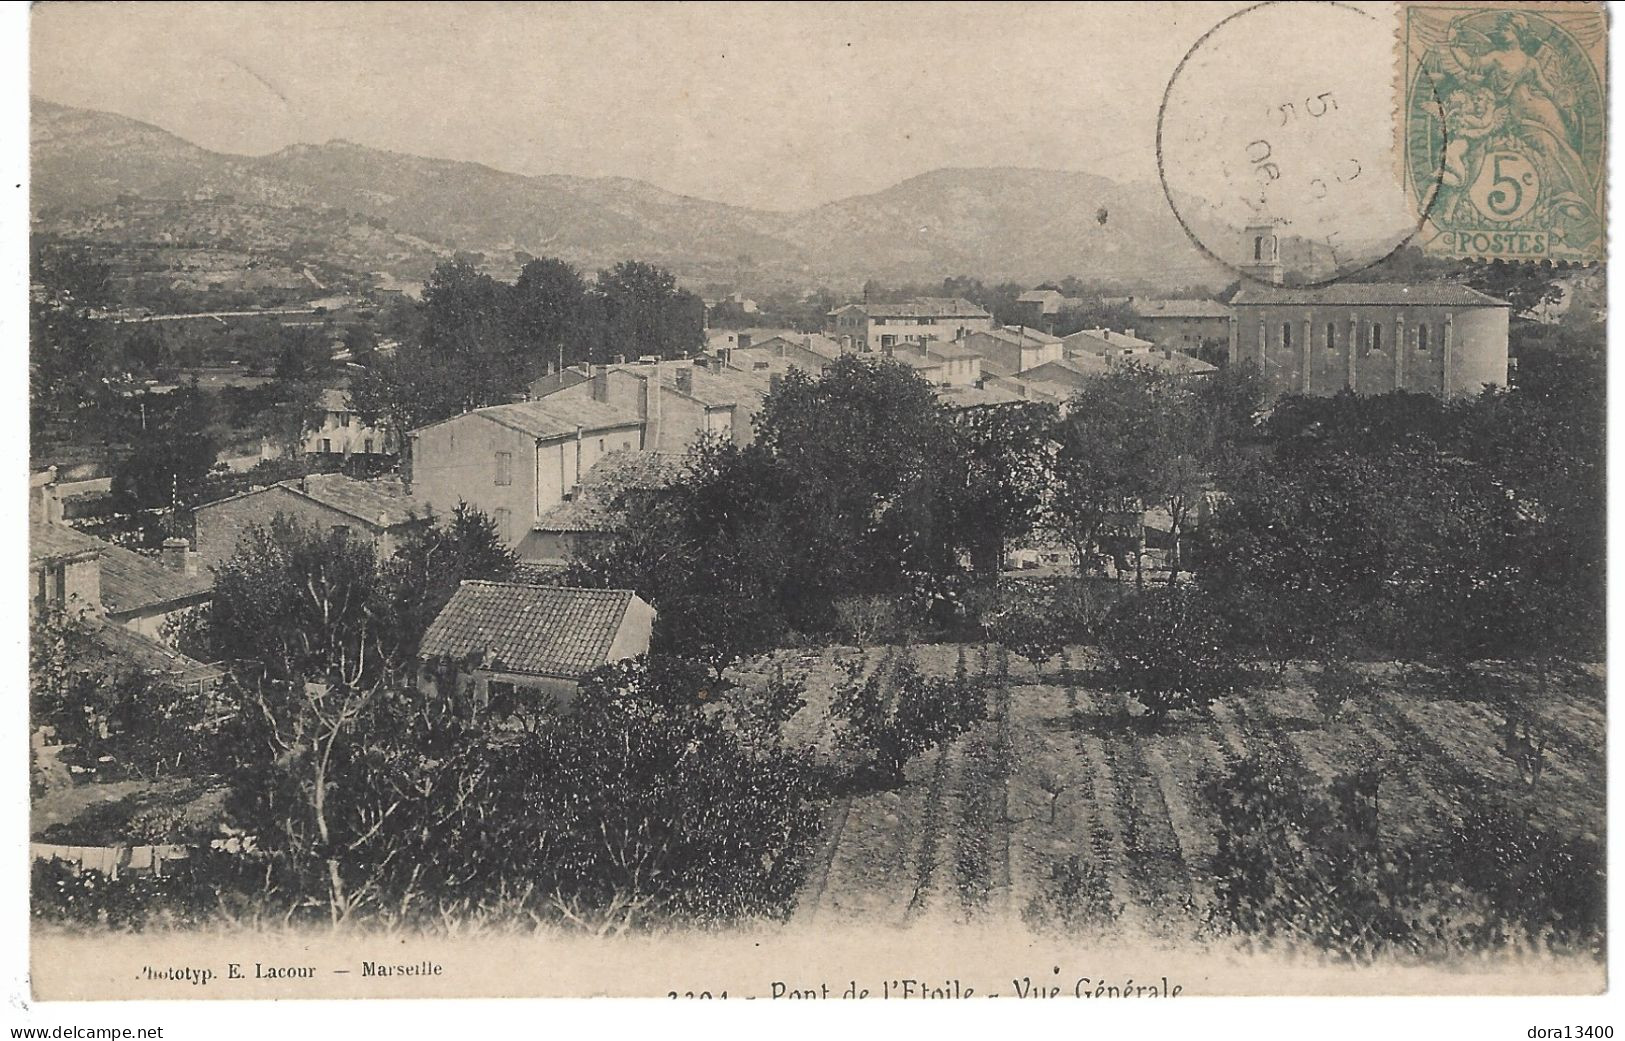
(814, 501)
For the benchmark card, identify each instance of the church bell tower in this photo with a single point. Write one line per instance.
(1262, 253)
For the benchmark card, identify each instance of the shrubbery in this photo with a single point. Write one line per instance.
(891, 716)
(1296, 867)
(1169, 650)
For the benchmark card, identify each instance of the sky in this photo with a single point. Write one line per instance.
(770, 107)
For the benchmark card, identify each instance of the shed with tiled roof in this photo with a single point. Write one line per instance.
(495, 638)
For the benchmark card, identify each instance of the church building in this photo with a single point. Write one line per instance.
(1370, 337)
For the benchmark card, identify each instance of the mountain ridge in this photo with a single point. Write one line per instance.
(1000, 222)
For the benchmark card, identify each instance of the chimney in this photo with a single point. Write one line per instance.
(685, 380)
(620, 359)
(600, 383)
(1128, 332)
(175, 556)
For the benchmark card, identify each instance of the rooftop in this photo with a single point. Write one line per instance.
(383, 501)
(1104, 341)
(1187, 308)
(1368, 294)
(128, 647)
(542, 386)
(1021, 335)
(534, 630)
(922, 307)
(557, 416)
(594, 505)
(132, 582)
(48, 541)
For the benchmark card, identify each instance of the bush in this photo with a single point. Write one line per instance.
(889, 718)
(1169, 650)
(1295, 867)
(1334, 685)
(1075, 895)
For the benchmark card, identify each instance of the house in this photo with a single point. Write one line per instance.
(775, 358)
(940, 364)
(144, 594)
(1371, 338)
(1183, 324)
(64, 568)
(341, 431)
(1007, 351)
(381, 510)
(93, 577)
(988, 395)
(874, 327)
(739, 339)
(1107, 343)
(1040, 305)
(1117, 348)
(1026, 388)
(496, 639)
(515, 462)
(1068, 374)
(679, 402)
(590, 518)
(776, 355)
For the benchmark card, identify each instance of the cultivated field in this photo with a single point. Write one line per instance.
(981, 822)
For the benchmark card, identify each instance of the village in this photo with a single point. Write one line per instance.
(776, 501)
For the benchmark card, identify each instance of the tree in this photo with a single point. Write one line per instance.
(866, 445)
(171, 455)
(550, 300)
(1169, 650)
(642, 309)
(432, 560)
(1103, 462)
(1003, 456)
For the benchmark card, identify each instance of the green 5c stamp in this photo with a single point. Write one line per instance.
(1505, 129)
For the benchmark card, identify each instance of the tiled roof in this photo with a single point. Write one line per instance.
(1105, 341)
(132, 582)
(950, 349)
(1178, 308)
(728, 387)
(1028, 389)
(1363, 294)
(558, 416)
(924, 307)
(1069, 371)
(916, 359)
(1173, 361)
(532, 630)
(128, 647)
(1021, 336)
(972, 397)
(593, 507)
(382, 503)
(564, 379)
(50, 541)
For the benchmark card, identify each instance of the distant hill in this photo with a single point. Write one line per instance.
(96, 176)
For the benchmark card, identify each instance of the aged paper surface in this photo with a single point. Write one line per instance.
(844, 501)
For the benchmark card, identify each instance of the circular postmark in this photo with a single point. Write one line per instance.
(1277, 144)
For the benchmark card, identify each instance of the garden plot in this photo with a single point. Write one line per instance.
(983, 824)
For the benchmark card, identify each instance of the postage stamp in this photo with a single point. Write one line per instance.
(1505, 133)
